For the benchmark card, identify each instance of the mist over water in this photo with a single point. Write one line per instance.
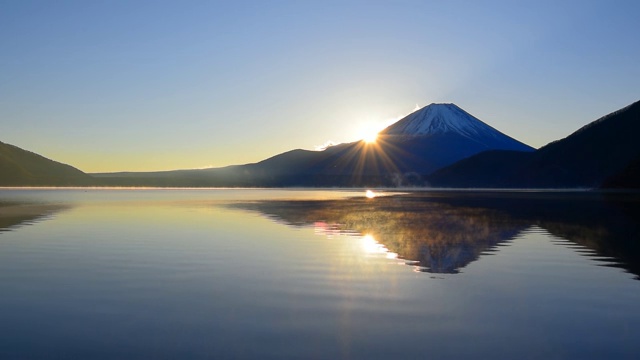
(317, 274)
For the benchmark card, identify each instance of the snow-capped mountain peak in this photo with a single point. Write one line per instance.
(450, 120)
(439, 119)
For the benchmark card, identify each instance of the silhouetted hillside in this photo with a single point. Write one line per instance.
(628, 178)
(19, 167)
(586, 158)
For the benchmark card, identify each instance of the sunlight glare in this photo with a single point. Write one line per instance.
(370, 194)
(392, 255)
(369, 133)
(371, 246)
(370, 137)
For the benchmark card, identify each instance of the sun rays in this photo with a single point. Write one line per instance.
(370, 137)
(368, 133)
(370, 163)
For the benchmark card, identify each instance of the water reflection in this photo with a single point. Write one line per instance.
(444, 232)
(16, 214)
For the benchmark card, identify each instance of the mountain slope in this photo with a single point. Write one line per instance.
(404, 153)
(628, 178)
(19, 167)
(585, 158)
(440, 119)
(415, 146)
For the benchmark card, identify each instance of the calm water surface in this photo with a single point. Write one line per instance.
(201, 274)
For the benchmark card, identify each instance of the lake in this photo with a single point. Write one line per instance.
(327, 274)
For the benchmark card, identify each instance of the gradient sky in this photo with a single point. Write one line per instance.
(157, 85)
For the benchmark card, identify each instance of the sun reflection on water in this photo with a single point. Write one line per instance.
(371, 246)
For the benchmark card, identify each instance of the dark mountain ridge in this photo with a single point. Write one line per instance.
(20, 167)
(584, 159)
(439, 145)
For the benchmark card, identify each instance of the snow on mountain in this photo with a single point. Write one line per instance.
(440, 119)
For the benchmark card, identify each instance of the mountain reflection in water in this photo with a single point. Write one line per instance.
(17, 214)
(445, 231)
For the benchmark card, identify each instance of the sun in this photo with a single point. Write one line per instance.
(367, 132)
(370, 137)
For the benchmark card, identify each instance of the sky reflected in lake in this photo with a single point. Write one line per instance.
(305, 274)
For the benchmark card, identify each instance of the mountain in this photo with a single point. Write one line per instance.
(449, 119)
(601, 150)
(19, 167)
(404, 153)
(628, 178)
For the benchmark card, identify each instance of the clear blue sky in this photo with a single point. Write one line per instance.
(156, 85)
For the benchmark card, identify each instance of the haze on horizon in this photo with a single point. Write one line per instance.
(160, 85)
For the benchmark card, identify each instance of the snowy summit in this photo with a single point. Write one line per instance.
(449, 119)
(439, 119)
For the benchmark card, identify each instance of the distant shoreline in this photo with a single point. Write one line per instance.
(391, 189)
